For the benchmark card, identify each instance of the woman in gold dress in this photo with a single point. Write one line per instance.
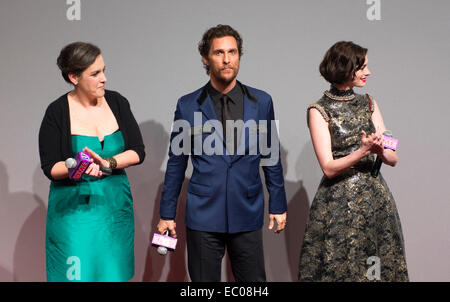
(353, 232)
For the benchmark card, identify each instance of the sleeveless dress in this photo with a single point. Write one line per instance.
(353, 232)
(90, 224)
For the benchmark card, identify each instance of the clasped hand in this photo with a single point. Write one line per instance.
(372, 143)
(97, 162)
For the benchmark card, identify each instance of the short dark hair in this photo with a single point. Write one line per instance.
(218, 31)
(76, 57)
(341, 62)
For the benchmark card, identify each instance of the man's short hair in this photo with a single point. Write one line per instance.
(342, 61)
(218, 31)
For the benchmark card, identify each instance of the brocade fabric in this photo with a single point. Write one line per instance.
(353, 219)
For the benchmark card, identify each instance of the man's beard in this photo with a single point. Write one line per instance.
(226, 80)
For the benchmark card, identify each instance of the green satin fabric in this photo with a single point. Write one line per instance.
(90, 225)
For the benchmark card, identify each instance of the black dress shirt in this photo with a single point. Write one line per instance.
(235, 104)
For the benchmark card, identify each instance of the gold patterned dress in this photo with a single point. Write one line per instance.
(353, 232)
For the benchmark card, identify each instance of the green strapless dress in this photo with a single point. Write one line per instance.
(90, 224)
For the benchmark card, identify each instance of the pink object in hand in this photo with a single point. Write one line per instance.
(390, 142)
(83, 160)
(166, 241)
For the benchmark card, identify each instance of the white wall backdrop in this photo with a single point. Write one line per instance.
(150, 49)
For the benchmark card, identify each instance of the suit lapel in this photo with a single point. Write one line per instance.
(207, 108)
(250, 113)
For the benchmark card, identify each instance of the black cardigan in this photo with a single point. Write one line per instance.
(55, 140)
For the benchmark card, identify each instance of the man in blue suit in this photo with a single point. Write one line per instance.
(225, 202)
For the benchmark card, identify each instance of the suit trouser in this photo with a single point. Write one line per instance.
(206, 250)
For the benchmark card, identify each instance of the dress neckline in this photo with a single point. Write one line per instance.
(340, 95)
(95, 136)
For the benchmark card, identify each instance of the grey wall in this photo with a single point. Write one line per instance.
(150, 51)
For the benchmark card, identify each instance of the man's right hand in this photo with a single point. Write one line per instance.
(170, 225)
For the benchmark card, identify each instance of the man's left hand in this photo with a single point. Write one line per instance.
(280, 219)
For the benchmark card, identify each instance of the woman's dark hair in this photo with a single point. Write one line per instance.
(342, 61)
(75, 58)
(218, 31)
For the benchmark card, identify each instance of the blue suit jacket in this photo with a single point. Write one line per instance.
(225, 193)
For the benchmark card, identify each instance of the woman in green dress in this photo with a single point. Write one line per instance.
(353, 232)
(90, 223)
